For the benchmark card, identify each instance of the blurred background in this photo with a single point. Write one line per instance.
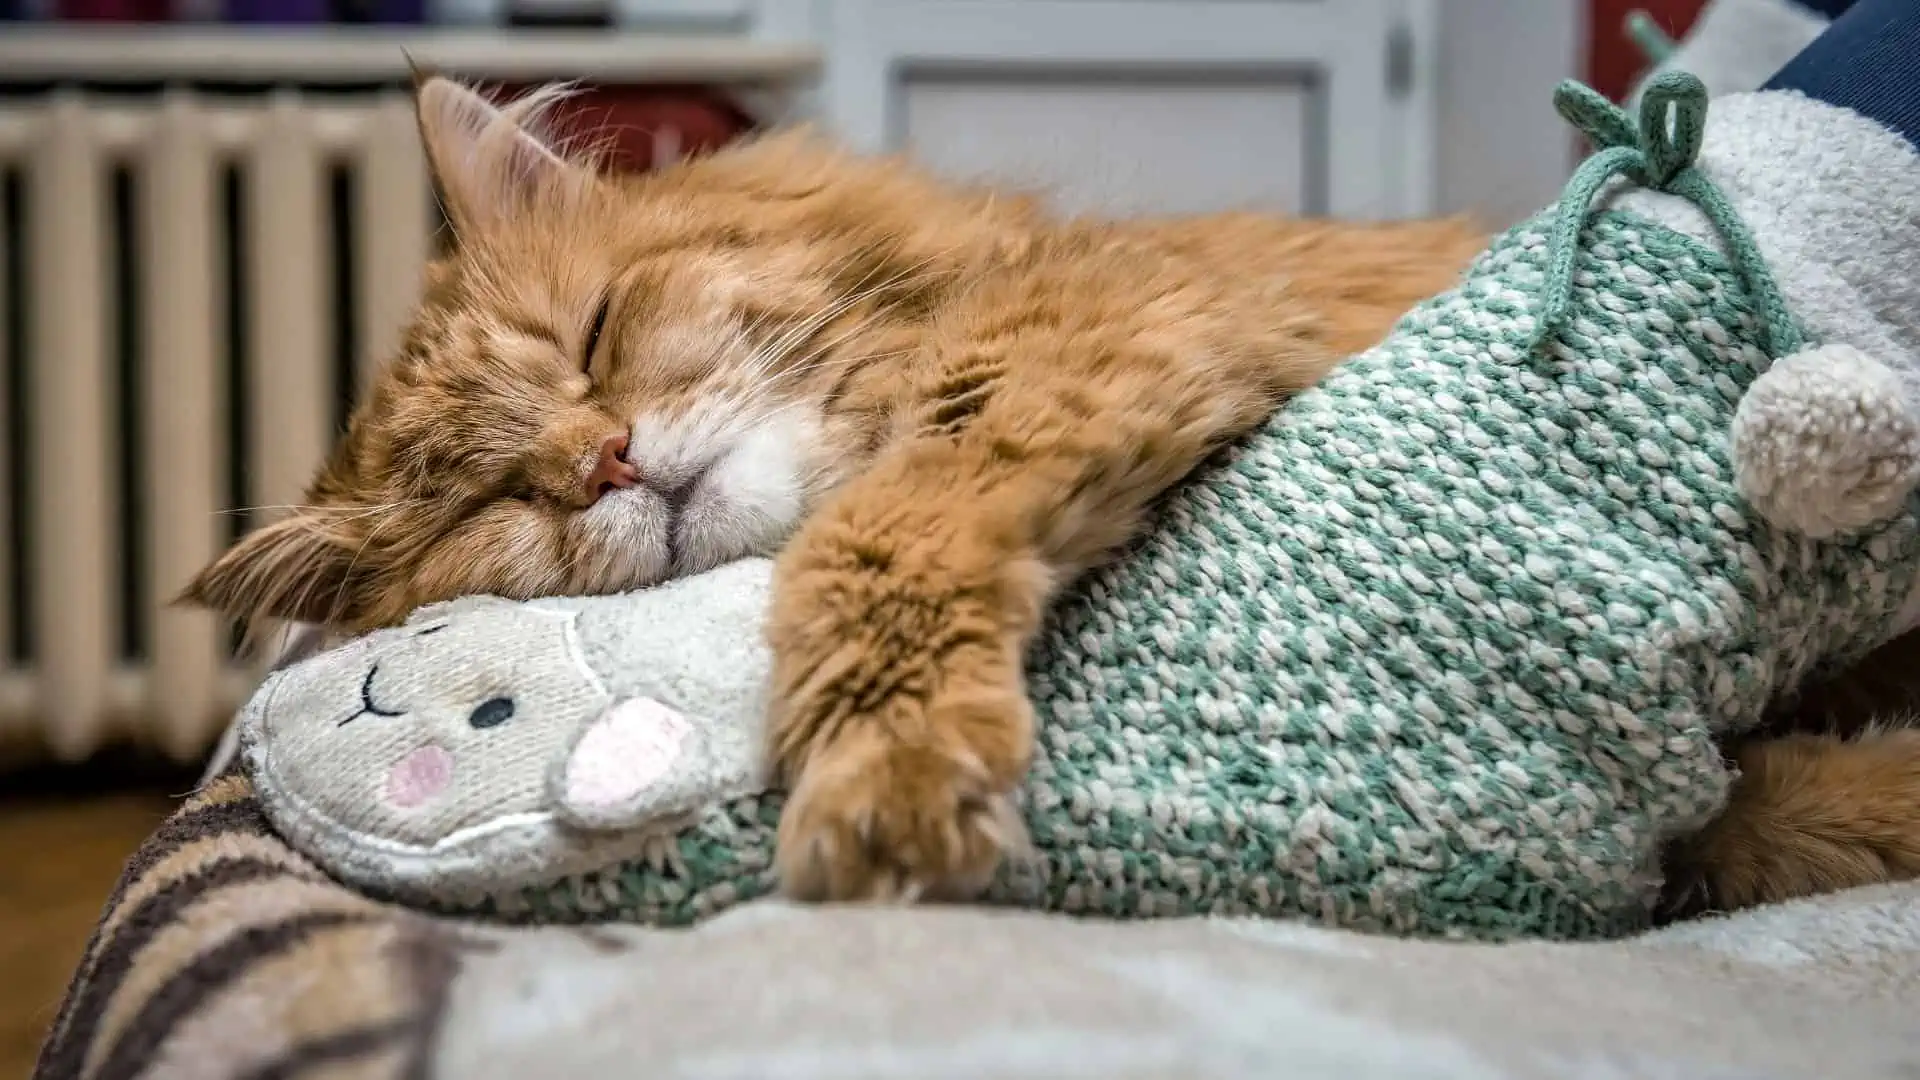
(213, 215)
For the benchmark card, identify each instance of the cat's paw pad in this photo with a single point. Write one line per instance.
(879, 820)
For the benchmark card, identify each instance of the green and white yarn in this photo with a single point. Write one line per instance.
(1443, 649)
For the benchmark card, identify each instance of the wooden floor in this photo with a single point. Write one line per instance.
(63, 839)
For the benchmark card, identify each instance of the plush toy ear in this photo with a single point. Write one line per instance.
(620, 764)
(643, 762)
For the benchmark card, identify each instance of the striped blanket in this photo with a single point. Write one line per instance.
(224, 954)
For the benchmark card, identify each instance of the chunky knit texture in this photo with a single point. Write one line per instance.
(1443, 650)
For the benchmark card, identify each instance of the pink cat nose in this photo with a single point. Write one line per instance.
(611, 471)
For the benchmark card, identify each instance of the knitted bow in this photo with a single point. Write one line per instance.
(1658, 153)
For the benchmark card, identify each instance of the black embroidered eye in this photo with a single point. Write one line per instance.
(593, 333)
(492, 712)
(431, 630)
(367, 706)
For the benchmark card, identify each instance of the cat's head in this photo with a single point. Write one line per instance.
(610, 380)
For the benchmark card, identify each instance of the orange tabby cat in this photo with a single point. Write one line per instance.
(937, 405)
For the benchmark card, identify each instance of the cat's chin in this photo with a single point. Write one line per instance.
(634, 539)
(625, 543)
(716, 528)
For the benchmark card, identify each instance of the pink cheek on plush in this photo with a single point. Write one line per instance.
(419, 776)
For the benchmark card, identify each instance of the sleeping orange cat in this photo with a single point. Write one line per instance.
(936, 404)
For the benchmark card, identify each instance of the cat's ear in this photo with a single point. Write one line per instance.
(489, 162)
(298, 569)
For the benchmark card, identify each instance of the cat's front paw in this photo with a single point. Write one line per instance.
(881, 820)
(900, 719)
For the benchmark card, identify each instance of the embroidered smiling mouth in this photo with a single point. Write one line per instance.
(367, 705)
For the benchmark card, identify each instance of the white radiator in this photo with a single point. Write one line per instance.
(74, 683)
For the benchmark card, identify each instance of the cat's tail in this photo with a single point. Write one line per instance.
(1809, 813)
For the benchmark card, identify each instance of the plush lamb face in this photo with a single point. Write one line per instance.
(442, 721)
(485, 741)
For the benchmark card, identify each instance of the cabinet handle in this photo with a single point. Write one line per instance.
(1399, 60)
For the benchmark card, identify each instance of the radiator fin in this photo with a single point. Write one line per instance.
(261, 286)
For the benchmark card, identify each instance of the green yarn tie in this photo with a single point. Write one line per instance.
(1658, 154)
(1646, 35)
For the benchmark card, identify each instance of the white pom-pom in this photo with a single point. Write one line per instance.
(1825, 443)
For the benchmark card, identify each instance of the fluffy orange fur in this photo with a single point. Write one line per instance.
(1810, 813)
(935, 404)
(1827, 796)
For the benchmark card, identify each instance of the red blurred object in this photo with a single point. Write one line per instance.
(1613, 61)
(638, 124)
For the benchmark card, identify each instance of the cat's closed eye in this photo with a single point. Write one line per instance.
(594, 330)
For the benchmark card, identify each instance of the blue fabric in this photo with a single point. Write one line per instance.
(1832, 9)
(1867, 61)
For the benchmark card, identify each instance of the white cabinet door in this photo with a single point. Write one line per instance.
(1309, 106)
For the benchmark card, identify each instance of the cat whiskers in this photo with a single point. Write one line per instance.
(819, 362)
(753, 328)
(777, 350)
(346, 578)
(764, 356)
(332, 512)
(752, 407)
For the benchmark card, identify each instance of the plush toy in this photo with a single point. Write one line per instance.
(1445, 648)
(487, 744)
